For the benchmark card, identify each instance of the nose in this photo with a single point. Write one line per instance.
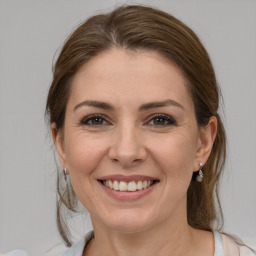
(127, 148)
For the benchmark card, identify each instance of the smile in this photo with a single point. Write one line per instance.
(127, 186)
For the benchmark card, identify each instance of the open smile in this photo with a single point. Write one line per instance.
(127, 188)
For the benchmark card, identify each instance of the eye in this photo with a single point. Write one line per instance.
(94, 120)
(161, 120)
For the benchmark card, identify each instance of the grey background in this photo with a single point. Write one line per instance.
(30, 34)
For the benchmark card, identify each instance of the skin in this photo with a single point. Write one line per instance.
(127, 140)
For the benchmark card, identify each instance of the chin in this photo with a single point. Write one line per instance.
(129, 222)
(129, 227)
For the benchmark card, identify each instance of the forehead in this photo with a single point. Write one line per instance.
(129, 75)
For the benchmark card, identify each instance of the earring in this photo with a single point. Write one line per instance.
(200, 176)
(65, 173)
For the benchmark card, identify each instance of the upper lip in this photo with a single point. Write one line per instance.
(120, 177)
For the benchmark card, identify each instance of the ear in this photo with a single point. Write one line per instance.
(58, 140)
(207, 135)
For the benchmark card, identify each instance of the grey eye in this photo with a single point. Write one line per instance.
(162, 120)
(94, 120)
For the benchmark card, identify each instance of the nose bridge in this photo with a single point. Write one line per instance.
(127, 147)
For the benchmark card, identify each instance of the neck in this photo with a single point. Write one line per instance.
(171, 237)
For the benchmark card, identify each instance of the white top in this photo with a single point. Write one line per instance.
(224, 246)
(15, 253)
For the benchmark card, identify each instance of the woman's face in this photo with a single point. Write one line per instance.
(130, 125)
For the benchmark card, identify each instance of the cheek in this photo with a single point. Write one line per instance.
(83, 157)
(84, 153)
(176, 156)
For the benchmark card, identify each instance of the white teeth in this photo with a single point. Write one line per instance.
(115, 185)
(110, 184)
(139, 185)
(123, 186)
(144, 184)
(130, 186)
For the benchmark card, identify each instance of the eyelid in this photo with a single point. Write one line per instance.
(165, 116)
(89, 117)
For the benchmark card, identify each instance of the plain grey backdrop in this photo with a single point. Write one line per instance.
(30, 34)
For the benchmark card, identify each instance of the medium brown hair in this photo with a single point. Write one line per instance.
(144, 28)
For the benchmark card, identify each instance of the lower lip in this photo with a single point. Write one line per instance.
(127, 196)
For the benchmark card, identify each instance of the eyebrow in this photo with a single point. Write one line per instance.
(94, 103)
(159, 104)
(146, 106)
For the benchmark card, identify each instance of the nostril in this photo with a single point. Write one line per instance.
(127, 149)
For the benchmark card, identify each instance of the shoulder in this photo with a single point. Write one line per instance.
(78, 248)
(15, 253)
(231, 248)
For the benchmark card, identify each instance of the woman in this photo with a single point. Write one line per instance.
(133, 109)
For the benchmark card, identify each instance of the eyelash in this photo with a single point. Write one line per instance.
(166, 118)
(168, 121)
(86, 120)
